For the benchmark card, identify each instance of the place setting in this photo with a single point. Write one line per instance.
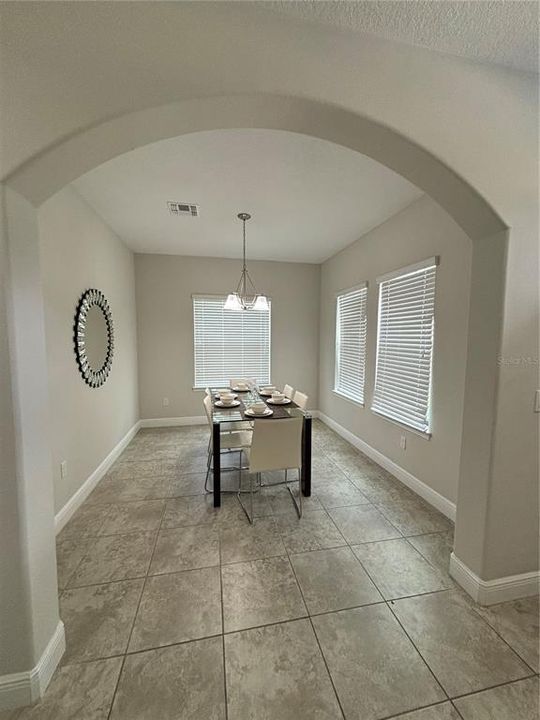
(267, 390)
(240, 387)
(227, 399)
(258, 409)
(278, 398)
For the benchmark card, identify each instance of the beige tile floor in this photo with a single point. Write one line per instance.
(176, 611)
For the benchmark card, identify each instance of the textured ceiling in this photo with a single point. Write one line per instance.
(309, 198)
(504, 32)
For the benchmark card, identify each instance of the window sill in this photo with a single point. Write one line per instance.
(414, 431)
(348, 399)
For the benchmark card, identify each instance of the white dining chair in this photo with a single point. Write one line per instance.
(301, 400)
(288, 391)
(230, 441)
(275, 445)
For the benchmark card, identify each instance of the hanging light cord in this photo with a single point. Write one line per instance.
(245, 278)
(244, 269)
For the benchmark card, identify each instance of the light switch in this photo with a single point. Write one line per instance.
(537, 401)
(403, 442)
(63, 469)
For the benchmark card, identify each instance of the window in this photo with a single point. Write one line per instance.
(351, 323)
(405, 345)
(229, 343)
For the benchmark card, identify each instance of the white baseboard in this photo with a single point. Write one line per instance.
(173, 422)
(490, 592)
(90, 483)
(24, 688)
(438, 501)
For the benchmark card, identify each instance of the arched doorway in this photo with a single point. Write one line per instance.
(43, 176)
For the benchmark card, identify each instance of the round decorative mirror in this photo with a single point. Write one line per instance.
(94, 341)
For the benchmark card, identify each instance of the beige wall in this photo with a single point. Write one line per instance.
(79, 251)
(436, 101)
(420, 231)
(28, 588)
(165, 325)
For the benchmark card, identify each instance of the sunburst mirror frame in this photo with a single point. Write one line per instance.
(89, 299)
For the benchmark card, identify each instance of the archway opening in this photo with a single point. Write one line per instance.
(42, 177)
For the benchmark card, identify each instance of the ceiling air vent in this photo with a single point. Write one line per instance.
(176, 208)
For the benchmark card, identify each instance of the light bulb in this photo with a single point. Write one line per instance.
(261, 303)
(232, 302)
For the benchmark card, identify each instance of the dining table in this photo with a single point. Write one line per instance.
(224, 417)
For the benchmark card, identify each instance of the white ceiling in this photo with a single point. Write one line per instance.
(503, 32)
(309, 198)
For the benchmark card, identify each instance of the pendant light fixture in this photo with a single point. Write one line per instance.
(245, 296)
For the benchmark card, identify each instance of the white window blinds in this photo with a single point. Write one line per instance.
(229, 343)
(351, 324)
(405, 345)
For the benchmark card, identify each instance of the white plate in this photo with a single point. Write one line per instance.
(266, 413)
(285, 401)
(235, 403)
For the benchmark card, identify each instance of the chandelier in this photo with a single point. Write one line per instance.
(245, 296)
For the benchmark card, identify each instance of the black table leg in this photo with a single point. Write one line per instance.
(306, 457)
(216, 453)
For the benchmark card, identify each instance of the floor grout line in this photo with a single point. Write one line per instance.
(135, 618)
(316, 638)
(503, 639)
(492, 687)
(422, 707)
(388, 605)
(288, 554)
(223, 629)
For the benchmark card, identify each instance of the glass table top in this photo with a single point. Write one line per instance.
(247, 399)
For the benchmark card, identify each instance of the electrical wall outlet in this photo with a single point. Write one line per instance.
(537, 401)
(403, 442)
(165, 402)
(63, 469)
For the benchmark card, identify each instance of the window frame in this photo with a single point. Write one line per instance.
(200, 296)
(337, 344)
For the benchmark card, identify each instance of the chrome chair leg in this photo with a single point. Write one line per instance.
(297, 505)
(300, 493)
(251, 498)
(208, 468)
(249, 516)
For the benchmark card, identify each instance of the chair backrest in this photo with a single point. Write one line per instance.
(248, 381)
(207, 402)
(276, 445)
(208, 391)
(288, 391)
(301, 400)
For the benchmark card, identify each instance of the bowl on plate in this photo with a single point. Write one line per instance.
(258, 408)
